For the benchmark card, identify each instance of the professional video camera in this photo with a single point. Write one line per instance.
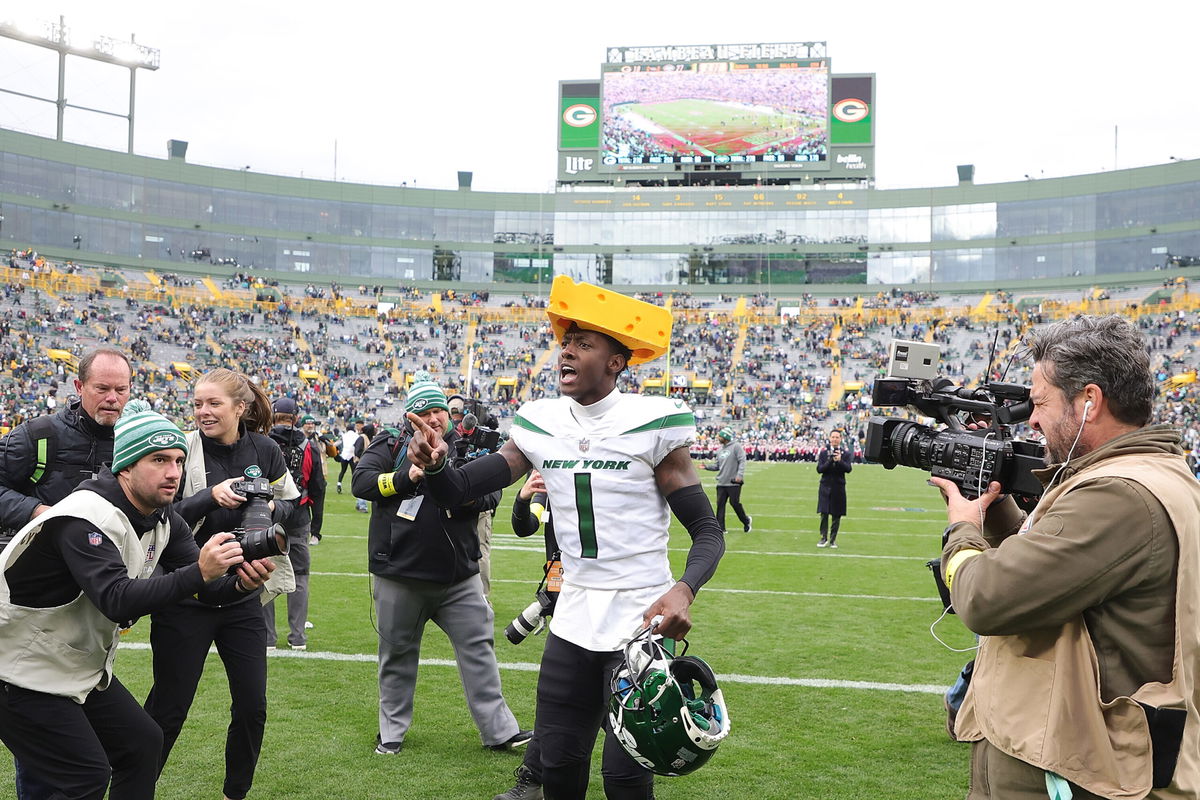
(971, 459)
(259, 537)
(475, 440)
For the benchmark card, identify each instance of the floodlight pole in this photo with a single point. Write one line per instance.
(105, 49)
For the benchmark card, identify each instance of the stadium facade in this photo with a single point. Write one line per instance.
(74, 201)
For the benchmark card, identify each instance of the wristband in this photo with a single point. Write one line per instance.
(439, 469)
(387, 484)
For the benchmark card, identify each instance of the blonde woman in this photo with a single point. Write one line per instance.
(232, 415)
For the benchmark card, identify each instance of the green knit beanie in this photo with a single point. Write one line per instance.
(726, 434)
(139, 431)
(424, 394)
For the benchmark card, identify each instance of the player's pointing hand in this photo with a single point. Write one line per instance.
(426, 449)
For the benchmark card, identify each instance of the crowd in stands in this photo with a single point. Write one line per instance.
(782, 383)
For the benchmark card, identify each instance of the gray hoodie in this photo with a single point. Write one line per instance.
(731, 463)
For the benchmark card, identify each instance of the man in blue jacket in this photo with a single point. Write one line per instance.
(425, 560)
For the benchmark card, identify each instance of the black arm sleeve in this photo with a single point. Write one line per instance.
(692, 508)
(453, 487)
(523, 522)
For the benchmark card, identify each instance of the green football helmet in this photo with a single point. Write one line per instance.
(667, 712)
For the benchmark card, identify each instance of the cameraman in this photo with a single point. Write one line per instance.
(465, 424)
(425, 560)
(111, 551)
(1085, 680)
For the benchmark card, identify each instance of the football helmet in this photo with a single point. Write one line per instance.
(667, 712)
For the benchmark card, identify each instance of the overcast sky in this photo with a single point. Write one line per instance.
(413, 92)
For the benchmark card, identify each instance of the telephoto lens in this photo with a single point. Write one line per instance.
(526, 623)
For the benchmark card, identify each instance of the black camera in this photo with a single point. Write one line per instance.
(258, 536)
(971, 459)
(475, 440)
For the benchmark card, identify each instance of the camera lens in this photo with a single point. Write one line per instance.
(911, 443)
(263, 543)
(525, 623)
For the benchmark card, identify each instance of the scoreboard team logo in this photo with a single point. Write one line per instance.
(850, 110)
(579, 115)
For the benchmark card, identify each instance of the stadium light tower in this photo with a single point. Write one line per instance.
(57, 37)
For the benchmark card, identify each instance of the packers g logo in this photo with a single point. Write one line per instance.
(579, 115)
(163, 438)
(850, 110)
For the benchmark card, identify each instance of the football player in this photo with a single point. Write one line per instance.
(616, 465)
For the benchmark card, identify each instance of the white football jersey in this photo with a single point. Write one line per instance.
(609, 517)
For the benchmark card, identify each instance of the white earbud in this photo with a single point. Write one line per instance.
(1086, 406)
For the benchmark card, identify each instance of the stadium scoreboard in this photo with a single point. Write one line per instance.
(712, 114)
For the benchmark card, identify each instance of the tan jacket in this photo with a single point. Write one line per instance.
(1041, 693)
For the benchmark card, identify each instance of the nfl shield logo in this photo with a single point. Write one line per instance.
(94, 539)
(584, 445)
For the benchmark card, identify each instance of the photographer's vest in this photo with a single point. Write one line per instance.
(68, 650)
(1036, 695)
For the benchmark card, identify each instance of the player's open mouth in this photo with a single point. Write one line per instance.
(566, 373)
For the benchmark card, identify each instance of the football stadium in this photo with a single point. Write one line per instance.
(732, 186)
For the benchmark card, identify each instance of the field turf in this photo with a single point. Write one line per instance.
(825, 656)
(711, 128)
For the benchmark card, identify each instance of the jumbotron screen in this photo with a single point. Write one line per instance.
(716, 112)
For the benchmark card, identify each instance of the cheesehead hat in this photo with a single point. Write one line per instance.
(642, 327)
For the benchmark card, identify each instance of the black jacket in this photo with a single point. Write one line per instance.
(62, 560)
(437, 545)
(223, 461)
(288, 436)
(78, 448)
(831, 497)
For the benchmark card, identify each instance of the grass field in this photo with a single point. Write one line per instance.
(711, 128)
(826, 660)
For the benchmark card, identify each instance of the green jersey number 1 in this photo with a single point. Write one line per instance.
(587, 517)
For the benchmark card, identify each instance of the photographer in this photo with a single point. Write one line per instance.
(833, 462)
(1085, 680)
(425, 559)
(44, 460)
(465, 425)
(232, 416)
(303, 460)
(111, 551)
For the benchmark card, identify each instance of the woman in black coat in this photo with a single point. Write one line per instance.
(833, 463)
